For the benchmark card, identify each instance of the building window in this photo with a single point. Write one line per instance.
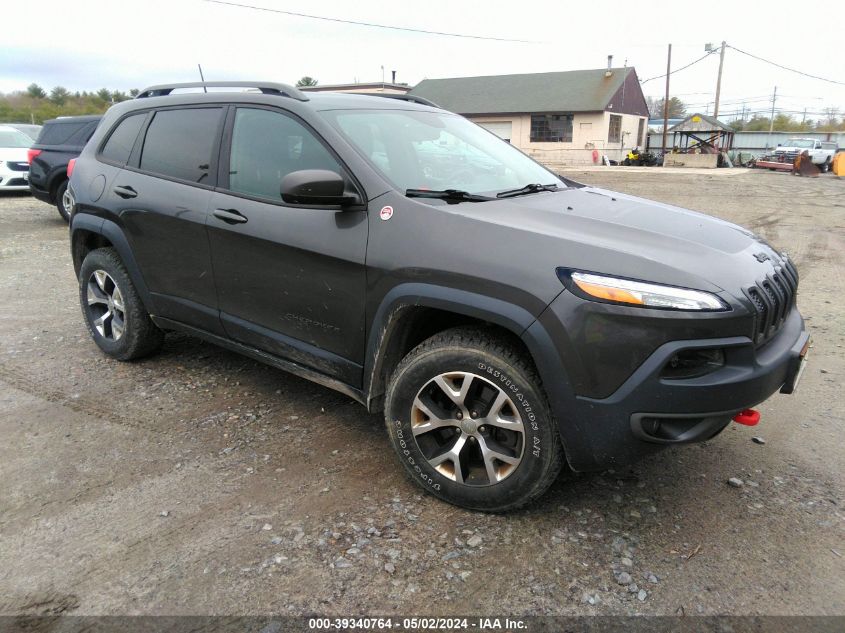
(640, 132)
(614, 133)
(551, 128)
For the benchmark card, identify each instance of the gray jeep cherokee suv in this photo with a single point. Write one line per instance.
(503, 318)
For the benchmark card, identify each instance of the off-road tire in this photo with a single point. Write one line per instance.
(140, 336)
(486, 355)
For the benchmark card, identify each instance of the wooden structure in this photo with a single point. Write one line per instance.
(702, 134)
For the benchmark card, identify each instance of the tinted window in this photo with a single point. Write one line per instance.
(119, 145)
(266, 146)
(179, 143)
(67, 132)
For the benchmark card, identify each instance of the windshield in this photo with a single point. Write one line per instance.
(437, 150)
(30, 130)
(803, 143)
(13, 138)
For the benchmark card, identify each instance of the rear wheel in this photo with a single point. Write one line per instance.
(825, 166)
(114, 313)
(64, 201)
(469, 420)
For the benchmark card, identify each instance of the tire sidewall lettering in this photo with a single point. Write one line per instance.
(517, 393)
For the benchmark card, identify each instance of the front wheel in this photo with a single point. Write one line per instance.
(470, 423)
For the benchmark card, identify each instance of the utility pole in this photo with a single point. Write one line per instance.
(772, 119)
(719, 81)
(666, 98)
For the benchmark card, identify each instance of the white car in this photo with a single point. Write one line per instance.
(14, 166)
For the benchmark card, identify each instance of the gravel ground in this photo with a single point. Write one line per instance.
(200, 482)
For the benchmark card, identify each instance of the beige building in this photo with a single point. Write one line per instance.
(559, 119)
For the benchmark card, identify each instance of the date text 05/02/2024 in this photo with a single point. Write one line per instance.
(416, 624)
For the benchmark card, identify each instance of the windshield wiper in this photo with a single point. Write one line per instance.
(531, 188)
(455, 195)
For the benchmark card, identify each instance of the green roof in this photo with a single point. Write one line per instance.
(570, 91)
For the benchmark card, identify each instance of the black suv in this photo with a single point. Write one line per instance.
(59, 141)
(501, 316)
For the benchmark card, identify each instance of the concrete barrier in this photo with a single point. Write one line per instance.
(708, 161)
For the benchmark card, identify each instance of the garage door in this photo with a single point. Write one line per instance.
(502, 130)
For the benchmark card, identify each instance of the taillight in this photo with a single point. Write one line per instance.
(70, 165)
(31, 154)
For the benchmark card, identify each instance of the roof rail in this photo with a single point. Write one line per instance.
(267, 88)
(402, 97)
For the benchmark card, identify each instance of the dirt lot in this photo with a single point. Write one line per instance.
(200, 482)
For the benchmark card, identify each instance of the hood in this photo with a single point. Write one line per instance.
(13, 154)
(602, 231)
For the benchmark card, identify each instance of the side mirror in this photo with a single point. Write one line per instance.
(317, 187)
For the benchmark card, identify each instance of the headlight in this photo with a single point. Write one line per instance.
(640, 293)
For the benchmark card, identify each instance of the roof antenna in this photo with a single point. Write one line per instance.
(204, 89)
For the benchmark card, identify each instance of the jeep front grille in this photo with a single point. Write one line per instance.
(773, 297)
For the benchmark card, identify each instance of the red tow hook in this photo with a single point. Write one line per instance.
(749, 417)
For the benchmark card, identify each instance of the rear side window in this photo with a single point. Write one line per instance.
(122, 139)
(266, 147)
(179, 143)
(67, 132)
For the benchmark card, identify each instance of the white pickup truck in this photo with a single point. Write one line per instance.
(821, 152)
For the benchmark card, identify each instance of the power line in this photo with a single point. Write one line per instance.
(833, 81)
(370, 24)
(677, 70)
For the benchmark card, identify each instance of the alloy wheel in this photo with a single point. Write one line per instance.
(68, 201)
(468, 429)
(105, 305)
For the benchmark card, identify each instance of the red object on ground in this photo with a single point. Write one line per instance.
(595, 156)
(749, 417)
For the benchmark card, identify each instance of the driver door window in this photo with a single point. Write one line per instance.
(266, 147)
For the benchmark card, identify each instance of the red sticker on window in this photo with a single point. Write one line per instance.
(386, 213)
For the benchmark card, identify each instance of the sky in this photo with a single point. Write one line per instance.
(126, 44)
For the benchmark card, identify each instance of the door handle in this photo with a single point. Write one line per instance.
(230, 216)
(126, 192)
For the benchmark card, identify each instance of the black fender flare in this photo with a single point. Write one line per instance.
(516, 319)
(114, 234)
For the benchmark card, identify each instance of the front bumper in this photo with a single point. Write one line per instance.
(13, 180)
(648, 411)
